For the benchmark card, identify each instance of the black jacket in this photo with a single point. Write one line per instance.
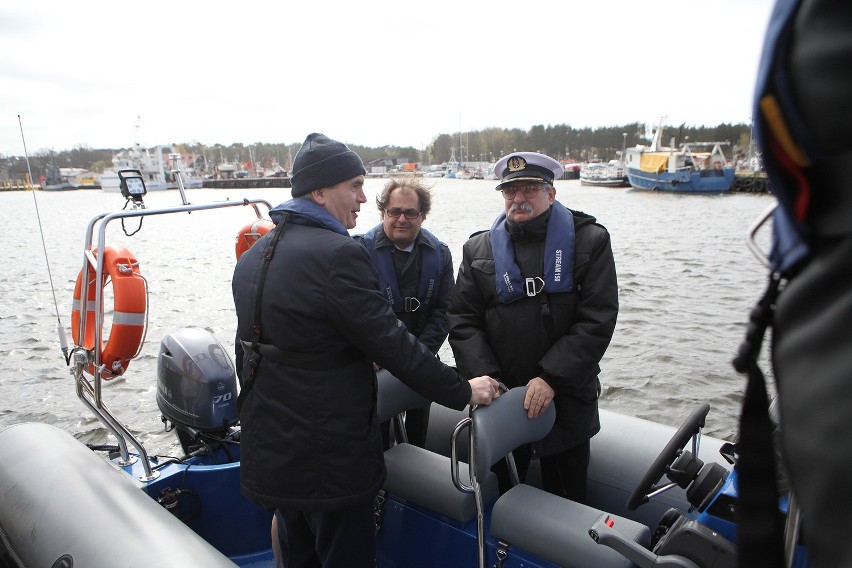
(428, 324)
(515, 343)
(310, 438)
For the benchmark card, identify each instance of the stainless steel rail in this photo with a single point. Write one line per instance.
(89, 391)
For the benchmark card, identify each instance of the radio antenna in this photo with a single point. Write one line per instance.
(60, 329)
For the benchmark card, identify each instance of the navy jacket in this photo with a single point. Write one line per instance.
(310, 438)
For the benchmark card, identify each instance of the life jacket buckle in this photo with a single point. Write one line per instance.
(411, 304)
(534, 286)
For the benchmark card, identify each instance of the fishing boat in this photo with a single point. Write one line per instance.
(54, 180)
(693, 167)
(68, 504)
(436, 170)
(611, 174)
(88, 180)
(138, 158)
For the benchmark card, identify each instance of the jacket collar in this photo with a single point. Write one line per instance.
(382, 240)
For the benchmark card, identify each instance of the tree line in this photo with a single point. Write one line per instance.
(560, 141)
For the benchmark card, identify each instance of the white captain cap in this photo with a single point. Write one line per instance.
(527, 166)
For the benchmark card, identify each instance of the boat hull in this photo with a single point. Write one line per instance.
(604, 175)
(64, 505)
(606, 182)
(694, 181)
(65, 186)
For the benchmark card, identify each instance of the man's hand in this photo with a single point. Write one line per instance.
(483, 390)
(539, 395)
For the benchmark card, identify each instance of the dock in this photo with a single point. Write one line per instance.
(248, 183)
(750, 183)
(15, 185)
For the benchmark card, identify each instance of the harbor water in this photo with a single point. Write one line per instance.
(686, 284)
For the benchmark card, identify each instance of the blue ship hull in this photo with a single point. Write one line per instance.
(687, 181)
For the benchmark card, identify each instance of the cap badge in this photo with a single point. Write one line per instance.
(516, 164)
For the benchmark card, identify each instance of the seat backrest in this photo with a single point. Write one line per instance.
(503, 425)
(442, 422)
(395, 397)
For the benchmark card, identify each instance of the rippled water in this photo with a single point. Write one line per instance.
(686, 281)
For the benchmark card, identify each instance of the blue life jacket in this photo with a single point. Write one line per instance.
(558, 258)
(787, 143)
(430, 272)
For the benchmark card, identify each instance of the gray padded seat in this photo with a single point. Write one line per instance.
(557, 529)
(442, 420)
(503, 426)
(423, 477)
(550, 527)
(420, 476)
(394, 396)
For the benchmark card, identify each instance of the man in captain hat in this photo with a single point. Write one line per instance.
(535, 305)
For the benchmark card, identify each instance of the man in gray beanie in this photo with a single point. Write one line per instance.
(311, 321)
(322, 162)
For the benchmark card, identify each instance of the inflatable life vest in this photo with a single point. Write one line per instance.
(251, 233)
(558, 258)
(430, 273)
(129, 314)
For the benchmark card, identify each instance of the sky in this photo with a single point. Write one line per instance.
(109, 73)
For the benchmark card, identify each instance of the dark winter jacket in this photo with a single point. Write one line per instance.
(310, 437)
(429, 322)
(516, 343)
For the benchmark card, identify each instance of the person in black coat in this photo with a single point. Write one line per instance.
(415, 275)
(310, 322)
(535, 305)
(802, 125)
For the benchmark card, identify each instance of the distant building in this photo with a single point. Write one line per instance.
(383, 166)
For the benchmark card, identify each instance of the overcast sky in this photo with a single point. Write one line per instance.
(368, 73)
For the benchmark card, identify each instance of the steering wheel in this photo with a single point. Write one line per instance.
(691, 426)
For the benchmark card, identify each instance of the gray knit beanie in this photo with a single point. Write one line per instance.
(323, 162)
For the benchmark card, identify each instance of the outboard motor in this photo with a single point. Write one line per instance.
(197, 391)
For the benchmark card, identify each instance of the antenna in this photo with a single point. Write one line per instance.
(60, 329)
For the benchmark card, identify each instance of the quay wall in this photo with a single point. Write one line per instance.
(750, 183)
(247, 183)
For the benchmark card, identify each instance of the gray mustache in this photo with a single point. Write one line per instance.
(520, 207)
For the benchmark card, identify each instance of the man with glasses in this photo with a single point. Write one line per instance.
(535, 305)
(415, 274)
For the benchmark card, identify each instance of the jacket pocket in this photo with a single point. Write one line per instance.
(484, 265)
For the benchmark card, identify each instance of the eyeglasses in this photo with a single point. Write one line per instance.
(529, 191)
(410, 214)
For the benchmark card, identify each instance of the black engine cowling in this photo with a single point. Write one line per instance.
(196, 386)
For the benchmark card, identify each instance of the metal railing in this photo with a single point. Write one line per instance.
(90, 391)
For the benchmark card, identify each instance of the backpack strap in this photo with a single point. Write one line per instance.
(254, 354)
(760, 525)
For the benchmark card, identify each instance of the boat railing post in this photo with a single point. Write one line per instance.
(179, 179)
(791, 530)
(174, 160)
